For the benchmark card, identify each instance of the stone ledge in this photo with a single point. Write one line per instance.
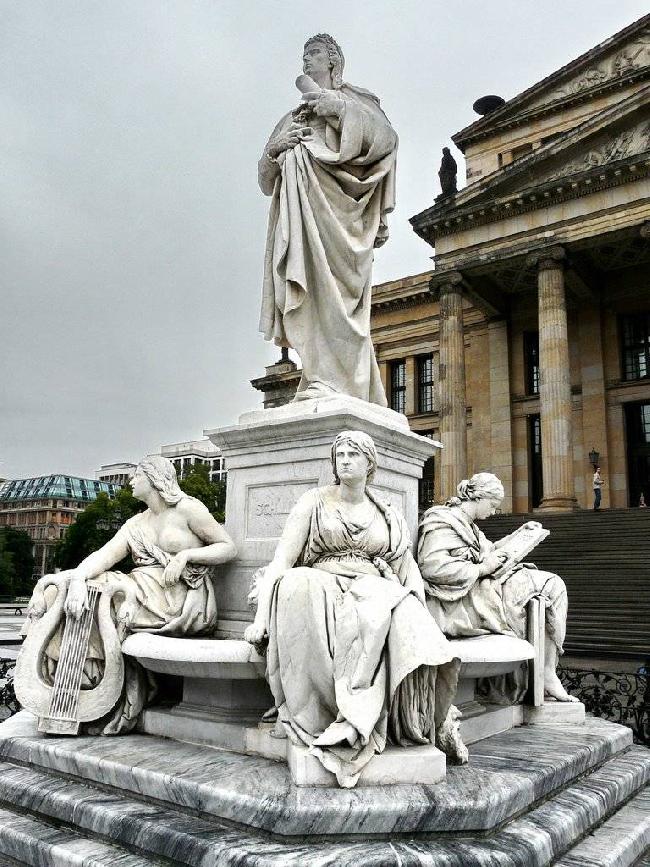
(506, 774)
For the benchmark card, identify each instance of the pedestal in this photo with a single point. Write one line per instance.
(274, 456)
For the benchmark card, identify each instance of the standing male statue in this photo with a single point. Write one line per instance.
(329, 167)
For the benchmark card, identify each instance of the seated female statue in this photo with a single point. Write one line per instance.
(354, 658)
(457, 563)
(174, 544)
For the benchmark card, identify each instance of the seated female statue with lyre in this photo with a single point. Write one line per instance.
(71, 670)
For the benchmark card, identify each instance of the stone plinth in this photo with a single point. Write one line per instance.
(274, 456)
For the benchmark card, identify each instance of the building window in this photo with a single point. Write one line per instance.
(635, 332)
(425, 383)
(398, 386)
(531, 361)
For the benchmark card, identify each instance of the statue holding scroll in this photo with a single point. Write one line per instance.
(71, 670)
(476, 587)
(329, 167)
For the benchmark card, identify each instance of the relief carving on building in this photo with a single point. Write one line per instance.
(606, 149)
(632, 57)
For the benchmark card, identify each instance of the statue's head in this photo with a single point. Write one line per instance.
(445, 151)
(161, 474)
(484, 488)
(334, 54)
(360, 442)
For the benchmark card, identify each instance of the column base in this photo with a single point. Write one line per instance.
(558, 504)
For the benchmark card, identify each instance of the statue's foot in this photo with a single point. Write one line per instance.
(554, 690)
(448, 738)
(337, 733)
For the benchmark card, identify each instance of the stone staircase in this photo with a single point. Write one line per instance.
(604, 558)
(576, 797)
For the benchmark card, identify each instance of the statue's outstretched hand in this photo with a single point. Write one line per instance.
(76, 600)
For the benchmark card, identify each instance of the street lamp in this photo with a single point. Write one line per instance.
(594, 458)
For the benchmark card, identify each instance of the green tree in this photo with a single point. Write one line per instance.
(98, 523)
(7, 568)
(196, 483)
(18, 545)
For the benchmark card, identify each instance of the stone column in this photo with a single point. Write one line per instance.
(410, 405)
(451, 388)
(555, 383)
(500, 411)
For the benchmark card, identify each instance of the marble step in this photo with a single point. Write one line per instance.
(535, 839)
(29, 841)
(506, 773)
(618, 842)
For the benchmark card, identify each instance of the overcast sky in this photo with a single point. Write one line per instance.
(131, 224)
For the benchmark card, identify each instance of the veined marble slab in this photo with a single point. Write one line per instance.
(506, 774)
(161, 831)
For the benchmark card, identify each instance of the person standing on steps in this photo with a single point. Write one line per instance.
(598, 484)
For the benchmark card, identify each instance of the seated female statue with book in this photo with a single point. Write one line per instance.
(476, 587)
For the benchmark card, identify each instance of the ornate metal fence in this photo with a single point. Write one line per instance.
(8, 703)
(621, 697)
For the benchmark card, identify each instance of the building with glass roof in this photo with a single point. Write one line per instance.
(45, 506)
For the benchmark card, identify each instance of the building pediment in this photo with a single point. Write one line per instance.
(621, 60)
(603, 151)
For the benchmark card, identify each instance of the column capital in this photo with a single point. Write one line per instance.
(547, 258)
(442, 284)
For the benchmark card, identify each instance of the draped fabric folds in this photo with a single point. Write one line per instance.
(464, 604)
(328, 210)
(351, 641)
(186, 608)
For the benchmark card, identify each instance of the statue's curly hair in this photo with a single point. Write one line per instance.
(335, 55)
(480, 487)
(162, 475)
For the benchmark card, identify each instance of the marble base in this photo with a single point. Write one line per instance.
(137, 800)
(482, 721)
(425, 765)
(555, 713)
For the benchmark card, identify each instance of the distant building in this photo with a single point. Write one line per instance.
(186, 455)
(44, 507)
(117, 474)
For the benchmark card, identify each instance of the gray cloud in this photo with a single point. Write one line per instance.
(131, 225)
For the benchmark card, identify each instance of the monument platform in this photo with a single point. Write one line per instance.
(531, 797)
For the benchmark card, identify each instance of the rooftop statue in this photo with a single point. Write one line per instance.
(329, 167)
(354, 658)
(474, 587)
(447, 174)
(174, 544)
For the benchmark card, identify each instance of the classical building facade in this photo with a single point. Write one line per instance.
(44, 507)
(528, 346)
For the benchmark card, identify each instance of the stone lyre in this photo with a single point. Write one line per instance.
(63, 705)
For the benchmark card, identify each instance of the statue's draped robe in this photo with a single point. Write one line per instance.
(450, 549)
(350, 639)
(187, 608)
(327, 213)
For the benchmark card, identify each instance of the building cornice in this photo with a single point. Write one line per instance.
(430, 226)
(504, 118)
